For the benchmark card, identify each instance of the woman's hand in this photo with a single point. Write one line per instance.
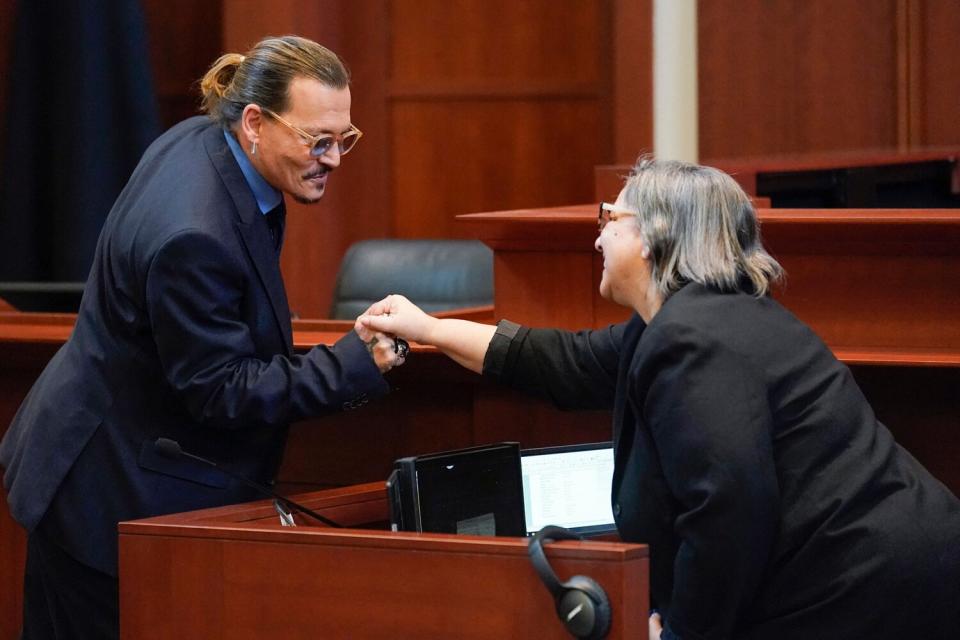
(397, 316)
(464, 341)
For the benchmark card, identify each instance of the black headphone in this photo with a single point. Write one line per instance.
(581, 602)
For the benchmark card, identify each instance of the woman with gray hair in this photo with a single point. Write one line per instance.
(774, 503)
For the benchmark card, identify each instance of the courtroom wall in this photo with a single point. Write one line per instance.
(498, 104)
(465, 107)
(778, 76)
(185, 38)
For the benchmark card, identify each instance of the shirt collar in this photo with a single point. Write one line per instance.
(267, 197)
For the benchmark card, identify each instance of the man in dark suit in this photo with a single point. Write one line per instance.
(184, 332)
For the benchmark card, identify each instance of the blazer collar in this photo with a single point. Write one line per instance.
(226, 165)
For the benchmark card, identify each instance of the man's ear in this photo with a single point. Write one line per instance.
(250, 121)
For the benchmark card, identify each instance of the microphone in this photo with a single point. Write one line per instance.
(171, 449)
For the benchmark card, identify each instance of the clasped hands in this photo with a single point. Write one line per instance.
(382, 325)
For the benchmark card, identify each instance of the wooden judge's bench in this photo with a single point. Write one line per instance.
(880, 286)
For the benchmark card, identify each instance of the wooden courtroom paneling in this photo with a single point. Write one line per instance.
(435, 41)
(781, 76)
(776, 76)
(428, 409)
(632, 68)
(494, 104)
(185, 37)
(542, 152)
(13, 554)
(939, 82)
(843, 270)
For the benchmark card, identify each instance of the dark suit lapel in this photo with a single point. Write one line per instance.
(253, 229)
(265, 259)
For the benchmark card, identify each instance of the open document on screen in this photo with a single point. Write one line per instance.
(569, 487)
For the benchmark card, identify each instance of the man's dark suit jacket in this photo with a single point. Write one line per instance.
(774, 503)
(183, 332)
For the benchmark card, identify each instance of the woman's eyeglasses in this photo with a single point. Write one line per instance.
(609, 212)
(322, 143)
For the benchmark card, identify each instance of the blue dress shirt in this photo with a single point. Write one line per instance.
(267, 197)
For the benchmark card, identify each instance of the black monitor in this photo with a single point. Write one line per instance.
(474, 491)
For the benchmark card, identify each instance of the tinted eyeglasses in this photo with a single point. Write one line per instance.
(610, 212)
(322, 143)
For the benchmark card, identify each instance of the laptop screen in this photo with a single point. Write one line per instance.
(568, 486)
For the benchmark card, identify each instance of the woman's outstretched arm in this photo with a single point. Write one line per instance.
(464, 341)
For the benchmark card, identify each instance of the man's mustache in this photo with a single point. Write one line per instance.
(316, 174)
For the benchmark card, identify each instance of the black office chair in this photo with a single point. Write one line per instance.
(437, 275)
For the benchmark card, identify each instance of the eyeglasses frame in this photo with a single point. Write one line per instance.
(311, 141)
(606, 209)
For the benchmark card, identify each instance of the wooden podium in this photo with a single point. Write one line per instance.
(235, 572)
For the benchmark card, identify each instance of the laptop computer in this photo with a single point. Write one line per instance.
(568, 486)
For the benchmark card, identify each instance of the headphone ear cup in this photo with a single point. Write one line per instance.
(581, 603)
(584, 608)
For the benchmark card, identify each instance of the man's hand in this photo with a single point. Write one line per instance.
(382, 347)
(655, 626)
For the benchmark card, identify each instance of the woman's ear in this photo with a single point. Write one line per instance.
(645, 253)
